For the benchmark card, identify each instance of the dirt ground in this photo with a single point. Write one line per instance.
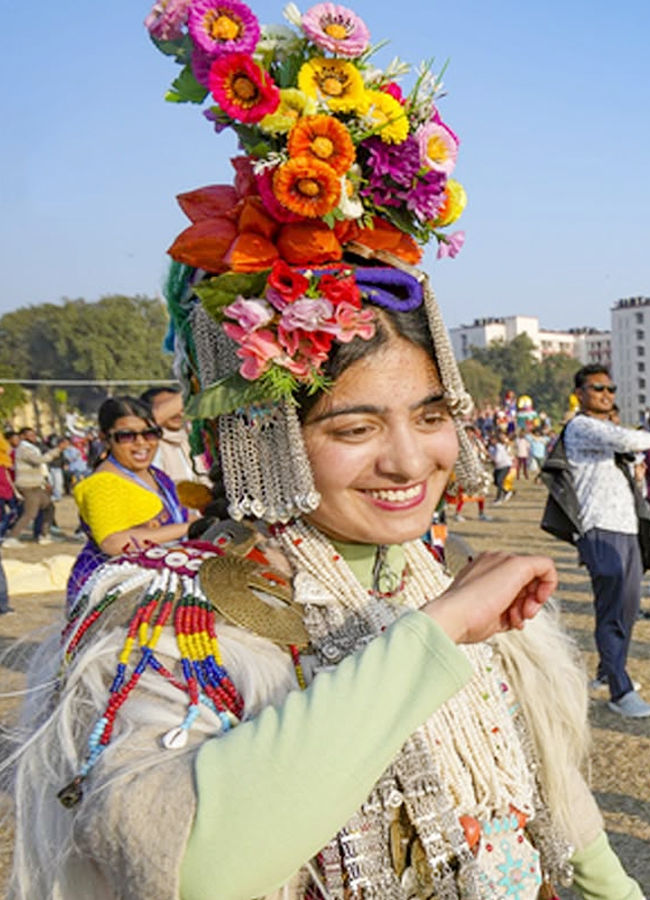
(621, 748)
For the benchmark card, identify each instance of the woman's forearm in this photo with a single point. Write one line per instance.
(132, 538)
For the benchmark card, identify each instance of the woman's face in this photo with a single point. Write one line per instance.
(136, 456)
(382, 446)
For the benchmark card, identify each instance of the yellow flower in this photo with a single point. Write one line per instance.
(335, 82)
(293, 105)
(453, 204)
(386, 114)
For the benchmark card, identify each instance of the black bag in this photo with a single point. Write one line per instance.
(642, 509)
(561, 516)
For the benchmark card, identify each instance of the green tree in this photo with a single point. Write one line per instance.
(116, 338)
(552, 384)
(482, 382)
(11, 396)
(514, 362)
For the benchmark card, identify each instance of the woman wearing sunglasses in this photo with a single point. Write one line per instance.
(126, 502)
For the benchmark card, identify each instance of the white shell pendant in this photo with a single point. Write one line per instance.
(175, 739)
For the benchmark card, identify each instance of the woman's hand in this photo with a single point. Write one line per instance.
(495, 592)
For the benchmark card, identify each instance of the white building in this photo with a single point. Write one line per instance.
(631, 356)
(585, 344)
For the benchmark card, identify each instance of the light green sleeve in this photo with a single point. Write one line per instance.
(599, 874)
(275, 790)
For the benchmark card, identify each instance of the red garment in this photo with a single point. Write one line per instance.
(6, 490)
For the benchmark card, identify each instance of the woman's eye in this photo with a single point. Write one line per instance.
(353, 431)
(435, 416)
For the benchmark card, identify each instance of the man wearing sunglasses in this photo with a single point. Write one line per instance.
(608, 543)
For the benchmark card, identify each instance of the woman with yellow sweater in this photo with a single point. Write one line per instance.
(126, 502)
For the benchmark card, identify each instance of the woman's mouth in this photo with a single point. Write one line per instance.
(398, 498)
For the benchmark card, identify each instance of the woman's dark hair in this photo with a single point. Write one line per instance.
(117, 407)
(412, 326)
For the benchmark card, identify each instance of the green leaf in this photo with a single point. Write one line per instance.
(186, 89)
(286, 74)
(181, 49)
(220, 291)
(225, 396)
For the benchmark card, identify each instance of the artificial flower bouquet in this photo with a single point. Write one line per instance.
(334, 153)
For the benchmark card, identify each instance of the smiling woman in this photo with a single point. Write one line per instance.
(126, 501)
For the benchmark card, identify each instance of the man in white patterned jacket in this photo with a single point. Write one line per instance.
(608, 544)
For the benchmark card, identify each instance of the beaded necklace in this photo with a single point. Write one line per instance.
(473, 755)
(173, 594)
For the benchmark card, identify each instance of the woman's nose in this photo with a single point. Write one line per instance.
(402, 456)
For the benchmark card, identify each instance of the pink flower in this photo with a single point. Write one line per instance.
(258, 349)
(166, 20)
(337, 29)
(438, 147)
(350, 322)
(251, 314)
(223, 26)
(394, 90)
(451, 245)
(307, 313)
(243, 89)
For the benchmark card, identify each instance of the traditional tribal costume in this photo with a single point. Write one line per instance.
(264, 711)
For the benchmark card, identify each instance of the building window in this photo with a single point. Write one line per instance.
(640, 351)
(641, 382)
(639, 318)
(640, 334)
(640, 367)
(642, 399)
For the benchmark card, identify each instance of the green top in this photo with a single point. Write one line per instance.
(278, 787)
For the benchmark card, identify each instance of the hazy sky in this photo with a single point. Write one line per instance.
(550, 100)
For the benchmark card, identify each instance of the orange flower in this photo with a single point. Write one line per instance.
(205, 244)
(307, 186)
(208, 202)
(251, 253)
(254, 218)
(323, 138)
(385, 236)
(308, 243)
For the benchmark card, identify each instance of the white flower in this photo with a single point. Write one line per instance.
(292, 14)
(278, 41)
(397, 69)
(270, 161)
(349, 203)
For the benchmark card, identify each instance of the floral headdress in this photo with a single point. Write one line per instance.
(337, 163)
(334, 150)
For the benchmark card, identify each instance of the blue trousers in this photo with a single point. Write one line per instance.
(614, 563)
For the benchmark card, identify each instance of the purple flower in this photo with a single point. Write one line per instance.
(166, 20)
(451, 245)
(426, 195)
(223, 26)
(307, 314)
(212, 116)
(400, 162)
